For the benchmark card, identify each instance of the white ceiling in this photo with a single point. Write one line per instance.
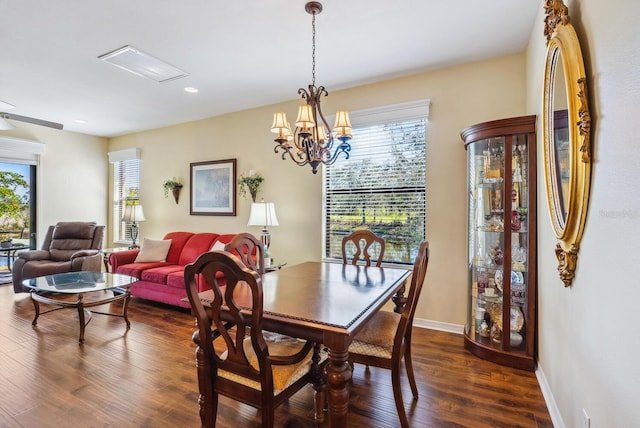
(239, 53)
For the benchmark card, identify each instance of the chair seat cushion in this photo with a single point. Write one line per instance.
(377, 336)
(283, 376)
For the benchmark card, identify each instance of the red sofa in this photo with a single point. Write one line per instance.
(164, 281)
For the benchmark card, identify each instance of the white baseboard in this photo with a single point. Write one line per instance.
(438, 325)
(554, 412)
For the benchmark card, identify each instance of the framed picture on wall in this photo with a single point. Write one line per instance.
(213, 187)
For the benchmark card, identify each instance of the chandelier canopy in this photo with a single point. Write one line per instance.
(312, 142)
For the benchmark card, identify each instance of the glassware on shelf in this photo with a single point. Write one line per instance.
(495, 224)
(518, 257)
(497, 256)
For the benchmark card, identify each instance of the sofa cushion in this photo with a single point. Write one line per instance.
(176, 280)
(153, 250)
(159, 274)
(178, 241)
(136, 269)
(195, 246)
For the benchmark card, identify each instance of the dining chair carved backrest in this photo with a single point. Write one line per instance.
(232, 357)
(386, 338)
(361, 246)
(250, 250)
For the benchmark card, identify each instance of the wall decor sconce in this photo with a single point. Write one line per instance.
(174, 186)
(250, 182)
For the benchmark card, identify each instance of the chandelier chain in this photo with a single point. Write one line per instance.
(313, 50)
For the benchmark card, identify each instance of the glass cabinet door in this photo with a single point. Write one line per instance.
(501, 317)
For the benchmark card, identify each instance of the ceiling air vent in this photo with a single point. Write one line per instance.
(140, 63)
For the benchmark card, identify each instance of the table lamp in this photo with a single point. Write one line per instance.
(133, 214)
(263, 214)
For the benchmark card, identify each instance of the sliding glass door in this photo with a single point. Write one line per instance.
(17, 203)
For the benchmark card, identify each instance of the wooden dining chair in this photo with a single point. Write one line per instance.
(367, 245)
(250, 250)
(232, 357)
(386, 339)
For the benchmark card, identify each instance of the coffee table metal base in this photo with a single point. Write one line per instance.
(84, 315)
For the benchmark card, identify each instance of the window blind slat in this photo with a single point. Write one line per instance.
(381, 186)
(126, 183)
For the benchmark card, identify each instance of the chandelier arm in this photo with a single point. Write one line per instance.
(287, 150)
(341, 148)
(304, 94)
(322, 91)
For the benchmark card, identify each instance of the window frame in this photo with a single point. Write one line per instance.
(379, 116)
(123, 190)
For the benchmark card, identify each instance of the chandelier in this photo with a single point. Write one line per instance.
(313, 141)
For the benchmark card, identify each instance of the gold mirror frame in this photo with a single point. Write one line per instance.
(567, 178)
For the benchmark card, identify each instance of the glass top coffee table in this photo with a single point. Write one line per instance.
(80, 290)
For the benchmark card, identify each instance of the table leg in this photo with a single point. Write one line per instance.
(400, 299)
(338, 375)
(105, 260)
(36, 307)
(125, 307)
(80, 305)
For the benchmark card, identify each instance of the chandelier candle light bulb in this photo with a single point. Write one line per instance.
(313, 139)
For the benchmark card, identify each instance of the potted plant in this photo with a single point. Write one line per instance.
(251, 182)
(174, 186)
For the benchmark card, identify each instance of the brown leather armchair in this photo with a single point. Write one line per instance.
(67, 247)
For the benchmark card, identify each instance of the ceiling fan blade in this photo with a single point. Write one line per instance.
(31, 120)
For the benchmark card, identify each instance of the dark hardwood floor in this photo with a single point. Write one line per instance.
(146, 377)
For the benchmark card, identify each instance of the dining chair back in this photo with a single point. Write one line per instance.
(250, 250)
(386, 339)
(232, 356)
(361, 246)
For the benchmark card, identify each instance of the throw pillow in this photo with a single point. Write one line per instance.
(153, 250)
(218, 246)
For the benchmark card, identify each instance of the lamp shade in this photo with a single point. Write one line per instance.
(133, 214)
(305, 117)
(263, 214)
(279, 122)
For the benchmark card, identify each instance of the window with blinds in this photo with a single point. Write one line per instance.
(126, 177)
(382, 186)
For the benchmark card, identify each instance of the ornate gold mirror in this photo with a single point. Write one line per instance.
(566, 125)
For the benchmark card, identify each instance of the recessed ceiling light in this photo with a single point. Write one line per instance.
(137, 62)
(191, 90)
(80, 121)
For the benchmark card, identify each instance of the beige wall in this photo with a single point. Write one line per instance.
(460, 96)
(588, 343)
(72, 176)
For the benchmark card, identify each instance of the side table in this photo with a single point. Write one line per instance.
(107, 251)
(10, 251)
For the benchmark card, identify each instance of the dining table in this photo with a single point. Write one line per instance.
(328, 303)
